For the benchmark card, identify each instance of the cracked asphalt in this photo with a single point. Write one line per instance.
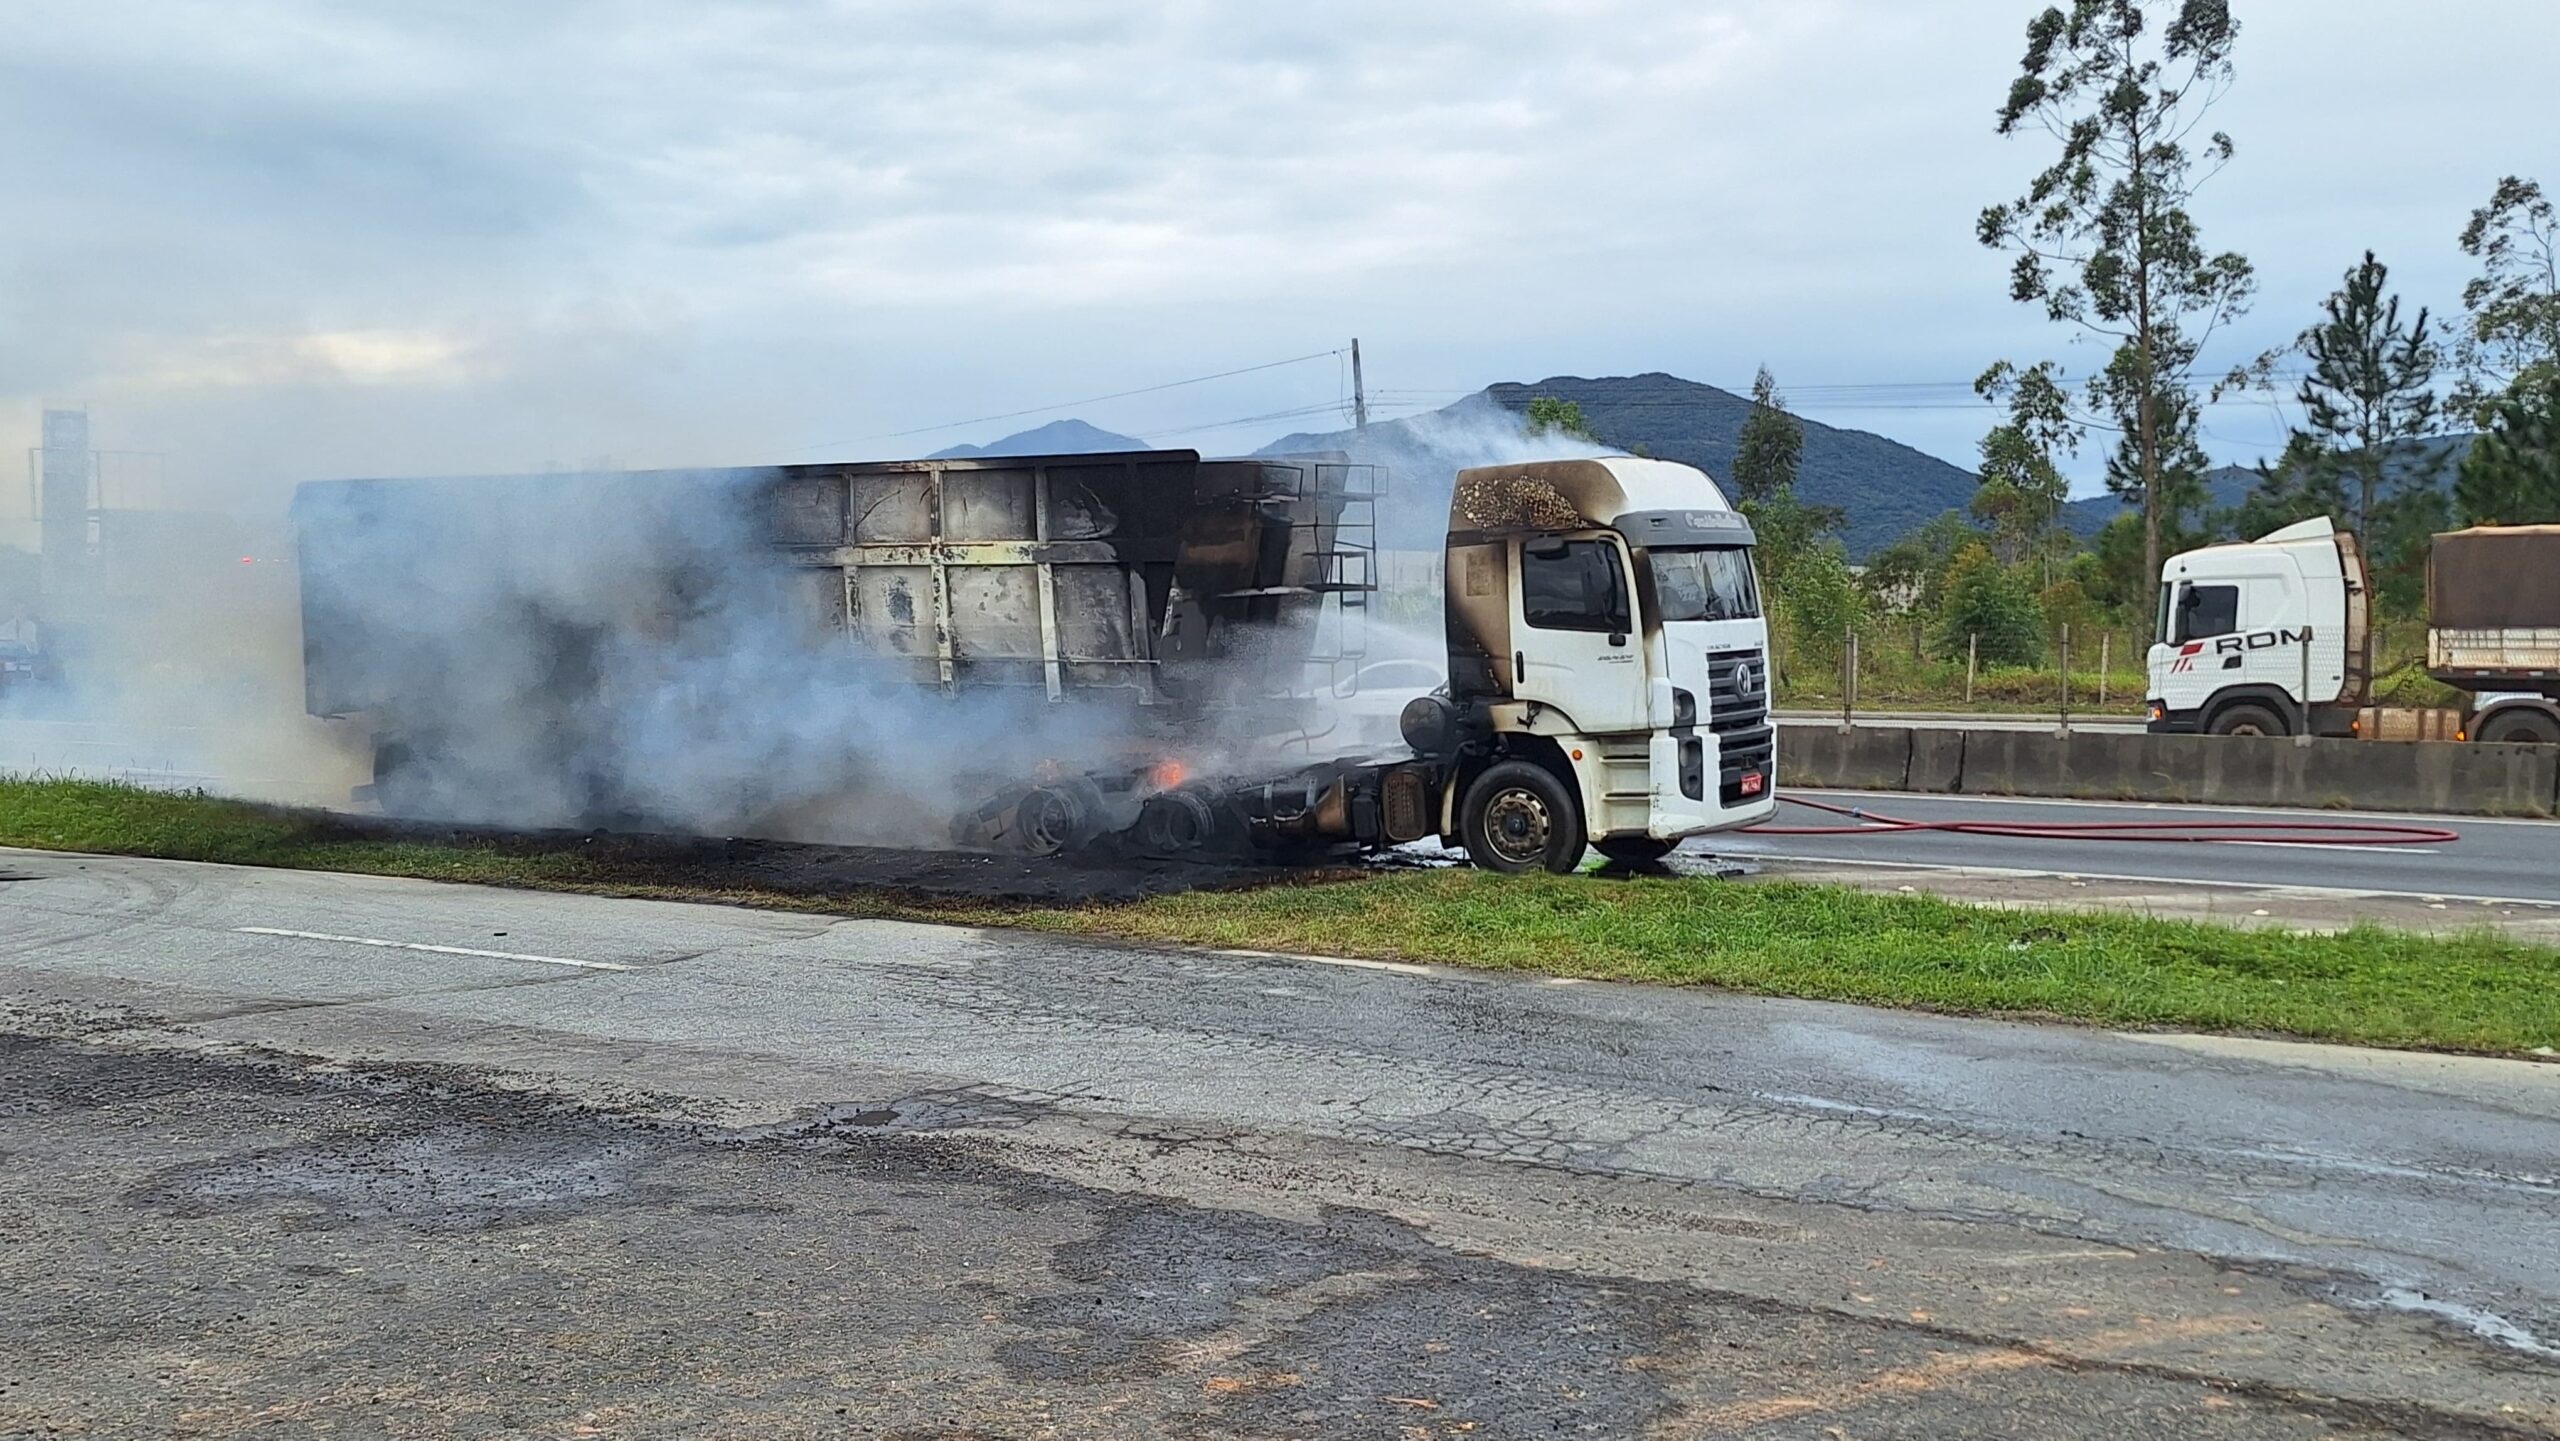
(300, 1154)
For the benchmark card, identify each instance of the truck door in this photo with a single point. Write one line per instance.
(1575, 647)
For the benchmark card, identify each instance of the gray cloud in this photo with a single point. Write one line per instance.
(283, 239)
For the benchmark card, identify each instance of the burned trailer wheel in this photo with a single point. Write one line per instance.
(1053, 820)
(1177, 820)
(411, 781)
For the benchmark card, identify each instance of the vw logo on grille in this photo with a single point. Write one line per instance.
(1744, 682)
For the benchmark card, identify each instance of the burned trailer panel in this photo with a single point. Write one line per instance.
(568, 634)
(1151, 578)
(1056, 573)
(1020, 572)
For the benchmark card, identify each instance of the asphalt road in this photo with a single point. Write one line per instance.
(2492, 860)
(314, 1152)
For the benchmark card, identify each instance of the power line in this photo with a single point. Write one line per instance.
(1328, 407)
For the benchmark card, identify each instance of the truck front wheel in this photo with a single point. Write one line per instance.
(2523, 727)
(2248, 719)
(1518, 817)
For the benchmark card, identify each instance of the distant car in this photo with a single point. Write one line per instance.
(17, 661)
(1370, 702)
(1411, 677)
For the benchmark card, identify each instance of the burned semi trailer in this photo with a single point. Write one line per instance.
(597, 649)
(1040, 652)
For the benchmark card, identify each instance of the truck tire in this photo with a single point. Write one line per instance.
(1518, 817)
(2521, 727)
(2248, 718)
(1635, 850)
(1054, 820)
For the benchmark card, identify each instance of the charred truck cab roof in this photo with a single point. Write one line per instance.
(1650, 504)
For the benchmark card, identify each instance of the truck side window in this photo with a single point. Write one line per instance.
(2207, 610)
(1573, 585)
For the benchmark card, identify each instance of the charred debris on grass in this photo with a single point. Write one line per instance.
(1101, 875)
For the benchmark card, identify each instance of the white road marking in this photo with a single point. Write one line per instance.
(2020, 873)
(1402, 968)
(2191, 807)
(2338, 846)
(435, 950)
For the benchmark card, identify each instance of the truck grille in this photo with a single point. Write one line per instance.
(1738, 715)
(1747, 754)
(1737, 691)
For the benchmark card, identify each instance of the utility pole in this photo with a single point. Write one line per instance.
(1359, 392)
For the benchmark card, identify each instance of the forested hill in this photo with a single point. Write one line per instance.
(2439, 457)
(1885, 487)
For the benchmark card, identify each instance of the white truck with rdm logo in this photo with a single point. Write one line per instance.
(2271, 637)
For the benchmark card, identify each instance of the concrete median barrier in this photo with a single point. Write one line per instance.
(2425, 776)
(1874, 758)
(1937, 761)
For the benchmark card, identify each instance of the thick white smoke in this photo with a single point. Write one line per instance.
(617, 650)
(1403, 636)
(630, 651)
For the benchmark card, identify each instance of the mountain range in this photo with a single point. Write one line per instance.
(1883, 488)
(1058, 437)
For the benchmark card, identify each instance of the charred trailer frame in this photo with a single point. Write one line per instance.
(1172, 592)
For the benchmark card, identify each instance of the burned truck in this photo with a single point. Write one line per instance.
(1041, 653)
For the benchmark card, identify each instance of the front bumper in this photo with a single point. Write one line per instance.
(2162, 721)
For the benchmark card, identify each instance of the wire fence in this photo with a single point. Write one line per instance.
(1906, 662)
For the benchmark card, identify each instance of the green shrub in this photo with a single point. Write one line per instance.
(1992, 605)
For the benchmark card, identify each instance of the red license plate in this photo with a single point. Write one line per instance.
(1751, 785)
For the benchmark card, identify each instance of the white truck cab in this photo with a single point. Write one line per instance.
(2263, 637)
(2268, 637)
(1607, 646)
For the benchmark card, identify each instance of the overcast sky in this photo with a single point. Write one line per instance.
(269, 240)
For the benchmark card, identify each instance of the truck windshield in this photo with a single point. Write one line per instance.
(1713, 583)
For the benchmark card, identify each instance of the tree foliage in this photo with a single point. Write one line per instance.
(1821, 600)
(1797, 551)
(1551, 416)
(1771, 445)
(2512, 338)
(1991, 605)
(1787, 529)
(2369, 403)
(1910, 574)
(2022, 489)
(2178, 513)
(2294, 486)
(2103, 237)
(2372, 387)
(2512, 475)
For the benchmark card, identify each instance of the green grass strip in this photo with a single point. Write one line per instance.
(2477, 992)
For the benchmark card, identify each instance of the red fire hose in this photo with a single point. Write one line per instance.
(2283, 832)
